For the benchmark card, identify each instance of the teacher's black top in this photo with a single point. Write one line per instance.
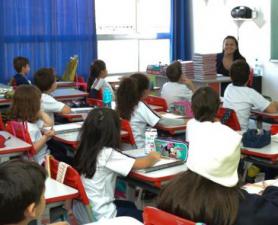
(219, 63)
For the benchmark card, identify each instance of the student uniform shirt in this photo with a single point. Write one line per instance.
(50, 105)
(102, 84)
(101, 187)
(242, 99)
(34, 130)
(174, 91)
(140, 118)
(21, 79)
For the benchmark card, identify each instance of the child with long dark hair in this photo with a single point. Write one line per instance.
(99, 161)
(96, 81)
(130, 96)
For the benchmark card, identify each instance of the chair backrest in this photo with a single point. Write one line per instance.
(19, 129)
(274, 129)
(158, 101)
(72, 179)
(129, 138)
(154, 216)
(94, 102)
(228, 117)
(80, 82)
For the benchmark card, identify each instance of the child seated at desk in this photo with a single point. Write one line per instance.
(45, 80)
(241, 98)
(25, 107)
(22, 67)
(209, 191)
(130, 96)
(99, 161)
(96, 81)
(179, 87)
(22, 186)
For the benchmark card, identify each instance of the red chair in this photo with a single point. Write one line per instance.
(154, 216)
(274, 129)
(129, 138)
(71, 178)
(229, 118)
(19, 129)
(157, 101)
(95, 102)
(80, 82)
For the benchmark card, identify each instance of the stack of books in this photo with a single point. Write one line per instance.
(204, 66)
(188, 69)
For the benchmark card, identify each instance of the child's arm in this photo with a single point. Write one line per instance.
(188, 83)
(272, 108)
(66, 109)
(42, 141)
(48, 122)
(147, 161)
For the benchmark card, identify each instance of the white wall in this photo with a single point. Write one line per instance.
(212, 21)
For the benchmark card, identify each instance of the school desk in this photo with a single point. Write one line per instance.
(122, 220)
(69, 94)
(14, 146)
(55, 195)
(77, 114)
(72, 138)
(213, 83)
(268, 152)
(5, 101)
(65, 84)
(58, 192)
(265, 114)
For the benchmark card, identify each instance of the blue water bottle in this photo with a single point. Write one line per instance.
(107, 97)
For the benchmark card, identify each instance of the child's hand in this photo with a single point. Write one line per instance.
(154, 156)
(49, 133)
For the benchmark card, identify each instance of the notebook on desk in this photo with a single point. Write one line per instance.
(163, 163)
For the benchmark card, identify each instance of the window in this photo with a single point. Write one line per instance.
(133, 33)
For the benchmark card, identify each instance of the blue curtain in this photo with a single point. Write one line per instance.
(48, 33)
(181, 30)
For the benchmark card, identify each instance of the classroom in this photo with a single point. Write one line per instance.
(138, 112)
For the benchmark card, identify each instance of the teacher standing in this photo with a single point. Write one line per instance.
(225, 59)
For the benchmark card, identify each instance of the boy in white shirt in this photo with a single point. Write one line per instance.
(241, 98)
(179, 87)
(45, 80)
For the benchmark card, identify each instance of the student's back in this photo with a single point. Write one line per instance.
(179, 87)
(241, 98)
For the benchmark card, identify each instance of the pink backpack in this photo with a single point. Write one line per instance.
(182, 107)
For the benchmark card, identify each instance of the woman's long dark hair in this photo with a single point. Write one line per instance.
(95, 71)
(237, 54)
(100, 129)
(196, 198)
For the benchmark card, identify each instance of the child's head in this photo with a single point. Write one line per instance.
(45, 79)
(22, 185)
(21, 65)
(100, 129)
(239, 72)
(143, 84)
(205, 103)
(196, 198)
(174, 71)
(26, 103)
(97, 70)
